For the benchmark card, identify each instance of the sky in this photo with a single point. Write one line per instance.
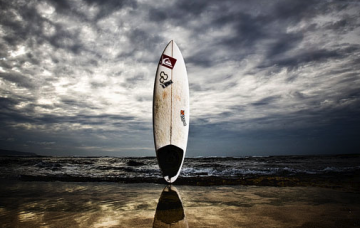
(266, 77)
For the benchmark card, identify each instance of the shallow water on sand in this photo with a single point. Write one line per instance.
(64, 204)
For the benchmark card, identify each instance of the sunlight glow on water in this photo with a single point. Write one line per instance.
(63, 204)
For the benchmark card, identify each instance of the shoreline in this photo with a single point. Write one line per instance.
(343, 181)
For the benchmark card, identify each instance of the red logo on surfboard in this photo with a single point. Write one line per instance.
(167, 61)
(182, 116)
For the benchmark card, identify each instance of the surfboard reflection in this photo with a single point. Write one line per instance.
(170, 211)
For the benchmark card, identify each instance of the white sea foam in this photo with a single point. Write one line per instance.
(111, 167)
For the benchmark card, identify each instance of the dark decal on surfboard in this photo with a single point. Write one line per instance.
(170, 158)
(167, 61)
(182, 115)
(163, 78)
(166, 84)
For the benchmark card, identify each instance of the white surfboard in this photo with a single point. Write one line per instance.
(171, 112)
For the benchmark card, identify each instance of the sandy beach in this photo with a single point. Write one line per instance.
(64, 204)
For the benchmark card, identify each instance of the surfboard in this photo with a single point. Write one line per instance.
(171, 112)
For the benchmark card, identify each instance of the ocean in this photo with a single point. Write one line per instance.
(337, 171)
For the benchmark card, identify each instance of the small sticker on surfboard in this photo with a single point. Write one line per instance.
(167, 61)
(182, 115)
(163, 78)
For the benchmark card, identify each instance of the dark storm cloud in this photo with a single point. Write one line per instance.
(18, 29)
(66, 40)
(253, 27)
(86, 119)
(181, 12)
(19, 79)
(28, 28)
(80, 73)
(142, 39)
(279, 58)
(106, 7)
(303, 58)
(202, 58)
(109, 6)
(9, 116)
(267, 100)
(250, 28)
(32, 24)
(72, 102)
(63, 7)
(7, 103)
(284, 43)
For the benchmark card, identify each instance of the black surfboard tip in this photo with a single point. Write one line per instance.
(170, 160)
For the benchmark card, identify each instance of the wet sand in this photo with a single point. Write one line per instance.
(65, 204)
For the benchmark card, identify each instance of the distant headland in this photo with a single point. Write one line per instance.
(16, 153)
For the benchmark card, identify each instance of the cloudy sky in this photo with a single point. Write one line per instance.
(266, 77)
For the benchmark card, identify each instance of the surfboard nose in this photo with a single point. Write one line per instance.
(170, 158)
